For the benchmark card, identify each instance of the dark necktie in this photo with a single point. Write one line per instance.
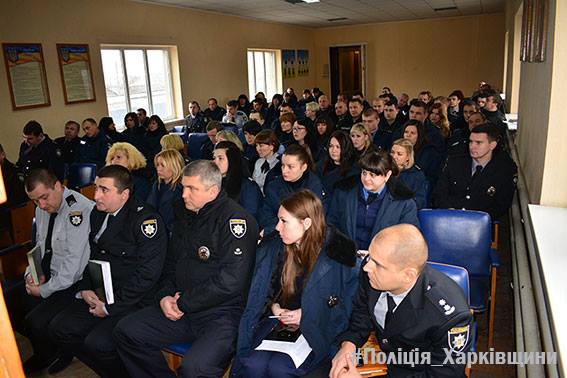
(371, 198)
(391, 307)
(265, 167)
(46, 260)
(477, 172)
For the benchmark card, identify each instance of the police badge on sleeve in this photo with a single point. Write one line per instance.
(458, 338)
(149, 228)
(76, 218)
(238, 227)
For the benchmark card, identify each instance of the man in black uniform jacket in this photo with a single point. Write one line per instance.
(205, 284)
(408, 305)
(69, 144)
(38, 151)
(132, 237)
(484, 180)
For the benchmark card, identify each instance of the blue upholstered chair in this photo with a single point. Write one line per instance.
(194, 143)
(463, 238)
(81, 175)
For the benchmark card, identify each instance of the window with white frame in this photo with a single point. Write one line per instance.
(138, 77)
(264, 74)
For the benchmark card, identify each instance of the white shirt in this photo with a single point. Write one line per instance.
(381, 307)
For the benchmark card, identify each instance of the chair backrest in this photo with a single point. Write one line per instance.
(194, 143)
(458, 237)
(22, 218)
(81, 175)
(177, 130)
(456, 273)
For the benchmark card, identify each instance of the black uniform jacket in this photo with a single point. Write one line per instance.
(434, 317)
(135, 244)
(211, 255)
(492, 192)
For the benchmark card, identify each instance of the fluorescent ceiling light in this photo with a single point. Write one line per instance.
(310, 1)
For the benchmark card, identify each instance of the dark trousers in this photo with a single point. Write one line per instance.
(265, 364)
(141, 336)
(31, 316)
(88, 338)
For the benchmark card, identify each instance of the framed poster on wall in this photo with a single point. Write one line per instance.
(27, 79)
(76, 73)
(302, 62)
(288, 63)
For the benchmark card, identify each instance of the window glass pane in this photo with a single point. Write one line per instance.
(136, 73)
(271, 81)
(160, 83)
(114, 83)
(251, 75)
(260, 73)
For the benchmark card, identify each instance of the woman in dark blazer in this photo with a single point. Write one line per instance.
(410, 173)
(362, 208)
(306, 276)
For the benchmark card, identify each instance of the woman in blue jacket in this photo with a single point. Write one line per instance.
(426, 155)
(306, 277)
(235, 182)
(361, 208)
(297, 173)
(410, 173)
(167, 190)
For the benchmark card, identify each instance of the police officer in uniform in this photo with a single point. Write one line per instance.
(62, 238)
(94, 145)
(408, 305)
(132, 238)
(205, 284)
(38, 151)
(67, 145)
(485, 180)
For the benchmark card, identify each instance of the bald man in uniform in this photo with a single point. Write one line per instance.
(408, 305)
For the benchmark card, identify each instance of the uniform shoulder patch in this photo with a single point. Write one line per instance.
(76, 218)
(458, 337)
(149, 228)
(70, 199)
(237, 227)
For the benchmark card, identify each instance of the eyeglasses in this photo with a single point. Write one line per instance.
(298, 128)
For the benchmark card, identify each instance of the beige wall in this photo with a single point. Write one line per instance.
(211, 48)
(440, 55)
(541, 122)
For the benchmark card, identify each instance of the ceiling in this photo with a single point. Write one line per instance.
(355, 11)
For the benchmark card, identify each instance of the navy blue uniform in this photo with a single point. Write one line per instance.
(67, 149)
(44, 155)
(415, 180)
(93, 150)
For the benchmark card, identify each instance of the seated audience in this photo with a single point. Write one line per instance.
(234, 115)
(258, 107)
(107, 126)
(284, 132)
(311, 109)
(129, 157)
(133, 239)
(297, 173)
(62, 229)
(243, 105)
(167, 189)
(68, 144)
(195, 121)
(143, 118)
(134, 133)
(493, 113)
(14, 187)
(306, 276)
(274, 108)
(458, 143)
(454, 110)
(390, 124)
(344, 120)
(355, 108)
(400, 298)
(438, 117)
(235, 179)
(251, 129)
(425, 154)
(484, 180)
(174, 141)
(213, 128)
(38, 151)
(324, 127)
(94, 144)
(156, 129)
(361, 140)
(378, 200)
(409, 172)
(257, 116)
(214, 112)
(204, 284)
(227, 135)
(304, 134)
(268, 165)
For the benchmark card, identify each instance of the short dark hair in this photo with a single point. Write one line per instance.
(212, 125)
(71, 122)
(257, 112)
(214, 99)
(371, 112)
(288, 117)
(121, 176)
(142, 110)
(33, 128)
(90, 120)
(358, 93)
(39, 176)
(134, 116)
(234, 103)
(458, 93)
(495, 95)
(252, 127)
(419, 104)
(469, 102)
(356, 99)
(378, 162)
(267, 137)
(302, 155)
(391, 103)
(489, 129)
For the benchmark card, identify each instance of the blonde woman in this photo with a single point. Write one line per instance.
(167, 189)
(361, 139)
(438, 116)
(130, 157)
(227, 135)
(410, 173)
(174, 142)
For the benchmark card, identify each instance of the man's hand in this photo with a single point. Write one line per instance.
(98, 309)
(340, 361)
(169, 307)
(351, 371)
(31, 287)
(90, 297)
